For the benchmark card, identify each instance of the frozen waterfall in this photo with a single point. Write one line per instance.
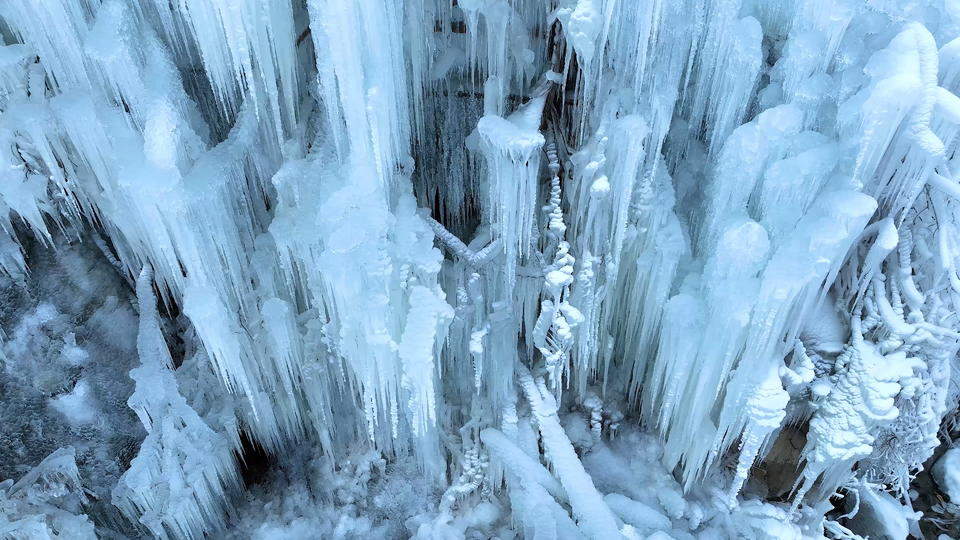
(479, 269)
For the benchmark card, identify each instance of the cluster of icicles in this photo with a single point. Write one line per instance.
(390, 216)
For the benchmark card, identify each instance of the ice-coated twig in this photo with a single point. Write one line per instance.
(595, 518)
(476, 259)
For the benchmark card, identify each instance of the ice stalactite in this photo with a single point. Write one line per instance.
(765, 138)
(248, 51)
(790, 288)
(719, 332)
(363, 80)
(730, 62)
(511, 150)
(389, 260)
(765, 410)
(419, 346)
(607, 165)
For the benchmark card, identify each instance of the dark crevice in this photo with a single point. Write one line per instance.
(254, 460)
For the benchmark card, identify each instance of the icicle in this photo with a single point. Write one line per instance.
(765, 410)
(248, 48)
(55, 30)
(729, 64)
(707, 216)
(897, 148)
(363, 80)
(740, 165)
(418, 348)
(511, 148)
(730, 287)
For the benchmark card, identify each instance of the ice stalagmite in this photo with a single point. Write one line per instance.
(178, 483)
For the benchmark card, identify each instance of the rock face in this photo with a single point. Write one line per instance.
(946, 472)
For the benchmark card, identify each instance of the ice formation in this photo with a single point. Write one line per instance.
(479, 268)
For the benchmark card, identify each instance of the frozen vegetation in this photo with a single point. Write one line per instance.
(441, 269)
